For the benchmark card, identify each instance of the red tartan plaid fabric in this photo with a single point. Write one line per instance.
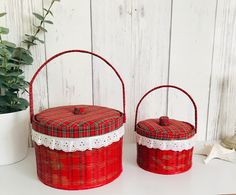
(164, 161)
(79, 170)
(77, 121)
(176, 130)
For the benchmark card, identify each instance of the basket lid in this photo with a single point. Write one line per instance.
(165, 129)
(77, 121)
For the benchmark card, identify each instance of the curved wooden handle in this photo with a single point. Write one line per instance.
(60, 54)
(167, 86)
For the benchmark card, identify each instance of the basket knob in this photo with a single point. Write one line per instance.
(78, 110)
(164, 121)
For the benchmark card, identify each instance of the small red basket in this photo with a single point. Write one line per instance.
(164, 145)
(78, 146)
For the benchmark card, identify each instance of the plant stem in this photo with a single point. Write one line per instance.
(3, 61)
(41, 23)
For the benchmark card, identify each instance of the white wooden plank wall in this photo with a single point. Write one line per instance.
(222, 104)
(150, 47)
(190, 58)
(111, 27)
(187, 43)
(69, 76)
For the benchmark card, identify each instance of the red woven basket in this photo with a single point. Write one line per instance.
(77, 146)
(164, 145)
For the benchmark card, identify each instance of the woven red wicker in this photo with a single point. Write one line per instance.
(164, 161)
(79, 170)
(156, 136)
(60, 131)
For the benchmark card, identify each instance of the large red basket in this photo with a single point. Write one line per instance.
(77, 146)
(164, 145)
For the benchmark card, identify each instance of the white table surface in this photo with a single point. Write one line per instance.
(218, 177)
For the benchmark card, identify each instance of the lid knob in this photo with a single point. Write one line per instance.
(164, 121)
(78, 110)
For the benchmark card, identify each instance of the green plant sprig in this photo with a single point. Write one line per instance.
(31, 40)
(12, 81)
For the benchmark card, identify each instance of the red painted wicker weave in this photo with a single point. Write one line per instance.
(164, 161)
(79, 169)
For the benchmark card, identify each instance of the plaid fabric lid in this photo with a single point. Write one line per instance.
(165, 129)
(77, 121)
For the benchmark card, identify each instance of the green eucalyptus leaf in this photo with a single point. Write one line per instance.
(12, 104)
(48, 11)
(29, 43)
(22, 77)
(33, 38)
(48, 21)
(22, 103)
(30, 37)
(38, 16)
(9, 44)
(3, 101)
(41, 41)
(4, 109)
(4, 30)
(15, 73)
(2, 45)
(4, 53)
(12, 80)
(12, 65)
(11, 94)
(18, 62)
(2, 14)
(41, 28)
(24, 91)
(22, 55)
(27, 51)
(14, 86)
(2, 72)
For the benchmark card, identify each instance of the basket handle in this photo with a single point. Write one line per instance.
(167, 86)
(31, 100)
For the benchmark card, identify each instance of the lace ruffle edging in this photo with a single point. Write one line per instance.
(175, 145)
(77, 144)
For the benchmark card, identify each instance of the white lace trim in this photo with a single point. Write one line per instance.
(77, 144)
(175, 145)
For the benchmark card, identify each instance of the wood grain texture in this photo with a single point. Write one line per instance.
(190, 59)
(69, 76)
(187, 43)
(151, 22)
(111, 35)
(222, 104)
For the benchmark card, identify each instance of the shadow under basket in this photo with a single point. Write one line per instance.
(79, 170)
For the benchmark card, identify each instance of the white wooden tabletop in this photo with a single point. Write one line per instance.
(218, 177)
